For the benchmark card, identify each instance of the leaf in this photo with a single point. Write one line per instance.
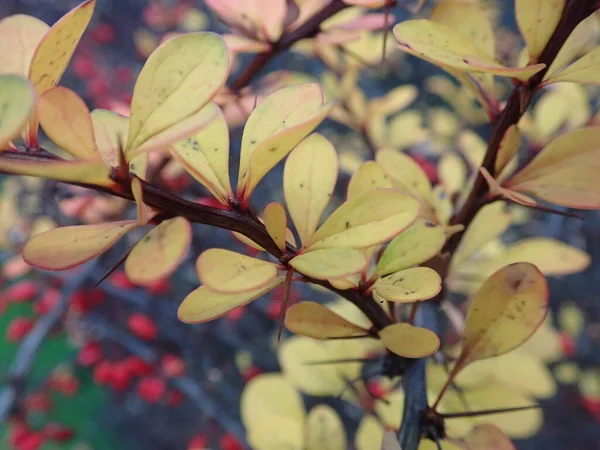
(452, 172)
(509, 147)
(324, 429)
(565, 172)
(583, 71)
(369, 431)
(369, 175)
(19, 37)
(270, 396)
(390, 441)
(408, 341)
(289, 435)
(143, 212)
(537, 20)
(489, 223)
(66, 120)
(229, 272)
(370, 219)
(415, 245)
(54, 52)
(17, 99)
(309, 177)
(203, 305)
(446, 47)
(497, 190)
(506, 310)
(67, 247)
(326, 263)
(177, 81)
(276, 223)
(159, 253)
(275, 127)
(89, 172)
(319, 322)
(110, 131)
(272, 17)
(488, 436)
(205, 155)
(405, 172)
(410, 285)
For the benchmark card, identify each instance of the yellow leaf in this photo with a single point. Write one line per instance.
(488, 436)
(138, 166)
(316, 321)
(326, 263)
(565, 172)
(270, 396)
(309, 178)
(523, 373)
(489, 223)
(67, 247)
(417, 244)
(90, 172)
(203, 305)
(370, 219)
(275, 433)
(160, 252)
(537, 20)
(186, 127)
(509, 146)
(296, 353)
(179, 78)
(144, 212)
(229, 272)
(324, 429)
(54, 52)
(276, 223)
(205, 155)
(408, 341)
(369, 175)
(505, 312)
(452, 172)
(552, 257)
(66, 120)
(369, 431)
(405, 172)
(110, 131)
(446, 47)
(584, 70)
(394, 101)
(19, 37)
(17, 99)
(391, 410)
(275, 127)
(410, 285)
(497, 190)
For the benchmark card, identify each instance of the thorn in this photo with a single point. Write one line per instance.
(110, 271)
(486, 412)
(340, 361)
(286, 294)
(386, 28)
(338, 338)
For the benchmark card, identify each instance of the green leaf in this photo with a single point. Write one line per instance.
(408, 341)
(17, 99)
(326, 263)
(410, 285)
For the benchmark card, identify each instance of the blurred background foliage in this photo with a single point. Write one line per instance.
(121, 372)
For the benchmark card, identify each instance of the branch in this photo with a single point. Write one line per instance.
(308, 29)
(518, 102)
(30, 346)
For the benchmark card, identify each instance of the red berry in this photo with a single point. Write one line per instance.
(567, 344)
(63, 381)
(136, 366)
(33, 441)
(142, 326)
(229, 442)
(172, 365)
(103, 33)
(97, 87)
(102, 372)
(83, 66)
(89, 354)
(18, 328)
(376, 389)
(119, 376)
(39, 401)
(159, 286)
(198, 442)
(58, 432)
(18, 433)
(151, 389)
(84, 301)
(22, 291)
(236, 314)
(120, 280)
(590, 404)
(48, 302)
(123, 74)
(251, 372)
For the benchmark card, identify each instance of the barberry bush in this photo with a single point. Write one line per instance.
(383, 250)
